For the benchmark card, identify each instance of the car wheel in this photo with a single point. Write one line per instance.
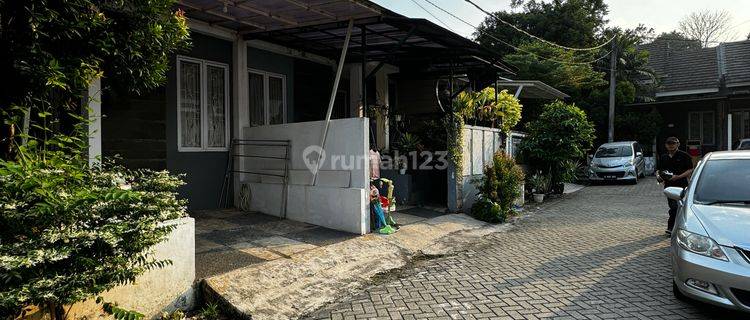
(678, 294)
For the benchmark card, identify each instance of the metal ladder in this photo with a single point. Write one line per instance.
(235, 151)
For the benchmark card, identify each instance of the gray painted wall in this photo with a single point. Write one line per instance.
(204, 170)
(133, 127)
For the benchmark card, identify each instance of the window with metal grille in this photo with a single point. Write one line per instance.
(202, 105)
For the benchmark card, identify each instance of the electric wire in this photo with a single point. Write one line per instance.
(513, 46)
(535, 37)
(431, 14)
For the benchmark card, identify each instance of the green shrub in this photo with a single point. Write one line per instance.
(69, 232)
(500, 183)
(175, 315)
(539, 183)
(505, 112)
(561, 134)
(487, 210)
(210, 312)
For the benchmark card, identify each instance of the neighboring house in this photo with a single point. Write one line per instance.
(257, 82)
(700, 90)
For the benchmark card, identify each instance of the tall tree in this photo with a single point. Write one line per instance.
(707, 26)
(678, 41)
(574, 23)
(52, 49)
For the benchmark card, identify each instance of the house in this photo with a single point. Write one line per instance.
(241, 107)
(704, 94)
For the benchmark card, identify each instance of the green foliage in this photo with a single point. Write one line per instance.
(53, 49)
(120, 313)
(677, 41)
(210, 312)
(563, 70)
(408, 143)
(70, 231)
(505, 111)
(639, 126)
(539, 183)
(574, 23)
(64, 44)
(175, 315)
(500, 182)
(455, 137)
(582, 75)
(561, 134)
(487, 210)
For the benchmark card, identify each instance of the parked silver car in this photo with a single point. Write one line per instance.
(743, 144)
(711, 237)
(617, 161)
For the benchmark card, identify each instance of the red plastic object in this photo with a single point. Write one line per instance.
(384, 202)
(693, 151)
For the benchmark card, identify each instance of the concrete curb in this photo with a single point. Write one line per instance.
(291, 288)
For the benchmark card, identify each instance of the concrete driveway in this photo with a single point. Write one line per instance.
(599, 253)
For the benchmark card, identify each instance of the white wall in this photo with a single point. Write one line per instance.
(339, 199)
(480, 143)
(156, 290)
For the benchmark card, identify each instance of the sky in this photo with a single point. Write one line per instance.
(662, 15)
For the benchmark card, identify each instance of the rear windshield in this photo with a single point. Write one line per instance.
(724, 181)
(614, 152)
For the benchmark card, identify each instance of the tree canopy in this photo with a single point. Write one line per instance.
(574, 23)
(707, 26)
(52, 49)
(584, 75)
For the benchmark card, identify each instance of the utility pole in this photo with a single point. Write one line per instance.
(612, 87)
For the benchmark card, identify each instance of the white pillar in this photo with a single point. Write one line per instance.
(94, 111)
(381, 92)
(729, 131)
(239, 116)
(355, 90)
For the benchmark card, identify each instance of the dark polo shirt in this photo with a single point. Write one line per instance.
(677, 164)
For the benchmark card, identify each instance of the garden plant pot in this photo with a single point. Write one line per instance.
(539, 197)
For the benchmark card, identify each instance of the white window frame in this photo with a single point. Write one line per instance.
(266, 95)
(204, 64)
(701, 115)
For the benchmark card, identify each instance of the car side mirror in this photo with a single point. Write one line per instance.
(639, 154)
(674, 193)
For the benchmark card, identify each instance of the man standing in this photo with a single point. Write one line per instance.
(680, 164)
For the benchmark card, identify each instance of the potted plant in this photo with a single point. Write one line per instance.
(400, 165)
(539, 184)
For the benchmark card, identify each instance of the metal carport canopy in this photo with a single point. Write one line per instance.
(531, 89)
(319, 27)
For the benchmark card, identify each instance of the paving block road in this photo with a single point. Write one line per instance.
(599, 253)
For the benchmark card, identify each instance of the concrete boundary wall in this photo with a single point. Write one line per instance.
(156, 290)
(339, 200)
(479, 145)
